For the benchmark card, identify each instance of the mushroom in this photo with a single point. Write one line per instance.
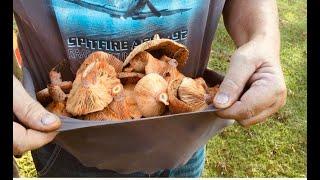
(130, 77)
(155, 65)
(189, 95)
(120, 107)
(117, 110)
(131, 102)
(171, 71)
(44, 97)
(144, 62)
(102, 56)
(193, 93)
(123, 107)
(201, 82)
(138, 63)
(94, 87)
(58, 105)
(151, 95)
(212, 91)
(176, 106)
(105, 114)
(159, 47)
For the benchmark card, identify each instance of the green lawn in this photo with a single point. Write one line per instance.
(277, 148)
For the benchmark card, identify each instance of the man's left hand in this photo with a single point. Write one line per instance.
(254, 66)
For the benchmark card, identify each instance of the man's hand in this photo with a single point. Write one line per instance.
(254, 86)
(41, 123)
(254, 66)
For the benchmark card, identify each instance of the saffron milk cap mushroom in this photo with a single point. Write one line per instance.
(93, 88)
(159, 47)
(151, 95)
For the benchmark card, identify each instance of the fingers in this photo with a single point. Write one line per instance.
(262, 116)
(235, 80)
(25, 140)
(30, 112)
(261, 100)
(257, 98)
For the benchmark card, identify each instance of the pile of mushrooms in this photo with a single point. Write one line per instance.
(147, 84)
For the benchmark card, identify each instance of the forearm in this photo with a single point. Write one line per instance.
(249, 19)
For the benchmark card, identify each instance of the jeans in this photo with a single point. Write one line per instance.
(53, 161)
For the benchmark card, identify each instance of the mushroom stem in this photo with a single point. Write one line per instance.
(156, 36)
(56, 93)
(173, 63)
(66, 86)
(116, 90)
(55, 77)
(43, 96)
(163, 97)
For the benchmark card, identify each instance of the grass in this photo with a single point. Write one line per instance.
(276, 148)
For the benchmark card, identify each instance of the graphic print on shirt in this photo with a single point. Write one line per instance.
(117, 26)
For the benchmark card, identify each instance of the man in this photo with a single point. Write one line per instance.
(253, 87)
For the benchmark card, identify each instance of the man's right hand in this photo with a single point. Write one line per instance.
(41, 124)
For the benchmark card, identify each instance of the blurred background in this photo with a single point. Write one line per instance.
(277, 148)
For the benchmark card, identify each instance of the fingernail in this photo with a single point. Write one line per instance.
(48, 119)
(221, 98)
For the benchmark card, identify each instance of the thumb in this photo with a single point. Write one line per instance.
(30, 112)
(239, 72)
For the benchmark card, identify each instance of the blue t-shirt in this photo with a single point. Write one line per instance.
(72, 29)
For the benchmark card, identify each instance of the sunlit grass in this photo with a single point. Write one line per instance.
(276, 148)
